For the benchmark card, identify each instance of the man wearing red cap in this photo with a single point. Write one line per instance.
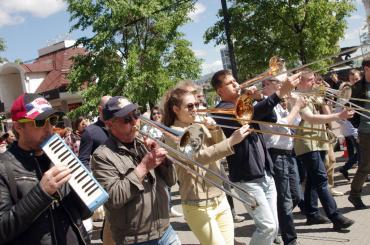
(37, 205)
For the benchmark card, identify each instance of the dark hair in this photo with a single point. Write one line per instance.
(155, 108)
(366, 62)
(218, 78)
(173, 98)
(77, 122)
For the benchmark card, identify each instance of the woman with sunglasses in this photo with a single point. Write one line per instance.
(205, 207)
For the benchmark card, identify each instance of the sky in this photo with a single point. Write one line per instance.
(27, 27)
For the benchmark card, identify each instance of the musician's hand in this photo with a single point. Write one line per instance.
(253, 92)
(288, 85)
(151, 160)
(300, 102)
(54, 178)
(209, 122)
(150, 144)
(239, 135)
(345, 114)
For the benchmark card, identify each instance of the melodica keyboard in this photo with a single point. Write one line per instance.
(82, 182)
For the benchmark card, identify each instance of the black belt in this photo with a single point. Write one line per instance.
(274, 151)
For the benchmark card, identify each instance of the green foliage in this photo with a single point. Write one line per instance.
(211, 97)
(136, 49)
(300, 31)
(2, 48)
(18, 61)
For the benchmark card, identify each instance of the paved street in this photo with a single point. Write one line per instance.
(315, 234)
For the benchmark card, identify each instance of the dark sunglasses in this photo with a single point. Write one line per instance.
(129, 118)
(156, 113)
(53, 120)
(191, 106)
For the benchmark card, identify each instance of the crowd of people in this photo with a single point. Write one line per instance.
(290, 164)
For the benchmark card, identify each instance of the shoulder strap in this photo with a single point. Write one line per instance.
(12, 185)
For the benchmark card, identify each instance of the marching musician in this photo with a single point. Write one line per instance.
(251, 165)
(205, 207)
(312, 154)
(135, 173)
(280, 148)
(37, 206)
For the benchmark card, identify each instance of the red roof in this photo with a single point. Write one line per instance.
(57, 65)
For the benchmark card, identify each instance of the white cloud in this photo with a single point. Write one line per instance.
(211, 67)
(198, 10)
(200, 53)
(12, 11)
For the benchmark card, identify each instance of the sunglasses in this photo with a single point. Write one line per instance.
(129, 118)
(191, 106)
(156, 113)
(53, 120)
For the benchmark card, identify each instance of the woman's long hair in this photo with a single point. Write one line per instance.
(173, 97)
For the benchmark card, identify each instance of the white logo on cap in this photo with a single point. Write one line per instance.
(122, 102)
(39, 105)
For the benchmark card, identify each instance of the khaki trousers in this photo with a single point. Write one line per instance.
(107, 234)
(330, 165)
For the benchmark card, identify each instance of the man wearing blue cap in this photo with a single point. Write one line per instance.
(135, 173)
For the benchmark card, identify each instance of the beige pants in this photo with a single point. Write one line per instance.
(330, 165)
(107, 234)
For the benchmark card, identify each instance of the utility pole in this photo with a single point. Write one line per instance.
(230, 45)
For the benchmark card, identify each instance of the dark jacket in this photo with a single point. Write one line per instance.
(93, 136)
(359, 90)
(30, 220)
(246, 164)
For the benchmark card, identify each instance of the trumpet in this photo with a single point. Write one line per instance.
(192, 139)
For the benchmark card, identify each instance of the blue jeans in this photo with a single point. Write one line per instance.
(317, 185)
(285, 171)
(169, 238)
(265, 214)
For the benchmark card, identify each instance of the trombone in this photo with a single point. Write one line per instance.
(190, 142)
(243, 112)
(343, 97)
(277, 66)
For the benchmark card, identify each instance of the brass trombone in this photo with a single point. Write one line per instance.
(277, 66)
(192, 139)
(343, 97)
(243, 112)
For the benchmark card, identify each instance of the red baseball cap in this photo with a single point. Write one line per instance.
(32, 106)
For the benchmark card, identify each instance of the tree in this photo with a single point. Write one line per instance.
(136, 49)
(2, 48)
(300, 31)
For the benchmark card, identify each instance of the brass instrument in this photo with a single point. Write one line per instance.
(342, 95)
(192, 139)
(276, 66)
(243, 112)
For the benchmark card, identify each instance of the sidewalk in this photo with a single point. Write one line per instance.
(359, 233)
